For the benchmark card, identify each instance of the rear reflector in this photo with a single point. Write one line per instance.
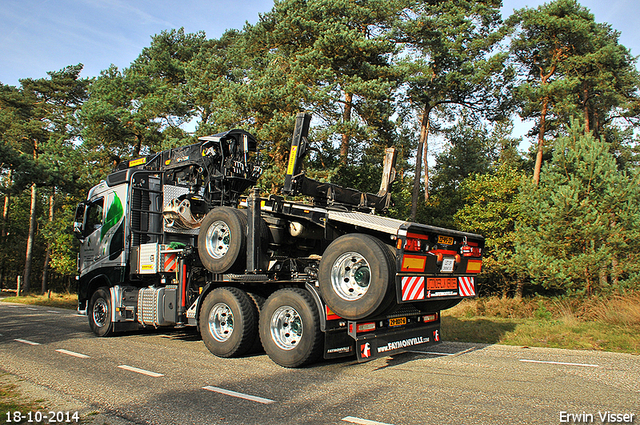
(474, 266)
(413, 263)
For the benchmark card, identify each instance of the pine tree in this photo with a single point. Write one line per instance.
(581, 227)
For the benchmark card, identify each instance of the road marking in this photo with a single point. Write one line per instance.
(435, 353)
(141, 371)
(361, 421)
(33, 309)
(239, 395)
(24, 341)
(559, 363)
(71, 353)
(53, 311)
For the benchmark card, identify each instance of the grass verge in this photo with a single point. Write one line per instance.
(592, 324)
(611, 324)
(12, 401)
(64, 300)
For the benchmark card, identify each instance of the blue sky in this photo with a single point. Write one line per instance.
(47, 35)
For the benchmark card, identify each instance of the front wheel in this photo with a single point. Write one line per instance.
(290, 328)
(228, 322)
(99, 313)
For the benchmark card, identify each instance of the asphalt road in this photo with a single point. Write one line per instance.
(169, 377)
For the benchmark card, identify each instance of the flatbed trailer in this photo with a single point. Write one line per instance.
(171, 240)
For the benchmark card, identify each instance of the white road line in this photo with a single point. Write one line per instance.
(361, 421)
(53, 311)
(559, 363)
(239, 395)
(435, 353)
(74, 354)
(33, 309)
(24, 341)
(142, 371)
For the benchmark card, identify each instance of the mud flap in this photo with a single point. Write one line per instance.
(370, 346)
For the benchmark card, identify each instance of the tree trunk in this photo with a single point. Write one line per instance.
(585, 97)
(47, 256)
(425, 159)
(346, 117)
(543, 117)
(30, 240)
(519, 289)
(416, 180)
(3, 235)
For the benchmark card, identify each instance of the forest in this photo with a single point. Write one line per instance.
(443, 82)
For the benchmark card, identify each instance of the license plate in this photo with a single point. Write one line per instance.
(445, 240)
(442, 283)
(398, 321)
(447, 265)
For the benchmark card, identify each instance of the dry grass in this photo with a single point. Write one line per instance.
(64, 300)
(611, 324)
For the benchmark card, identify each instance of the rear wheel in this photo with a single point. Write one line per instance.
(290, 328)
(228, 322)
(99, 312)
(356, 276)
(222, 240)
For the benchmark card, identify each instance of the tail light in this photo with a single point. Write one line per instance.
(430, 318)
(470, 250)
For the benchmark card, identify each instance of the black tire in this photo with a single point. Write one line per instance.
(258, 302)
(228, 322)
(222, 241)
(434, 306)
(99, 312)
(290, 328)
(356, 276)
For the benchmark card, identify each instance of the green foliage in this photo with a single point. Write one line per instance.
(492, 209)
(580, 227)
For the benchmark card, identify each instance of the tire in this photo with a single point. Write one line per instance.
(356, 276)
(258, 302)
(99, 313)
(434, 306)
(228, 322)
(290, 328)
(222, 241)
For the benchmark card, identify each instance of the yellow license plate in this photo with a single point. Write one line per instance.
(398, 321)
(445, 240)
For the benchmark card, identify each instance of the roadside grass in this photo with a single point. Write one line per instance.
(611, 324)
(608, 324)
(12, 401)
(60, 300)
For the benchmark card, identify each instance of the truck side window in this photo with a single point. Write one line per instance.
(94, 216)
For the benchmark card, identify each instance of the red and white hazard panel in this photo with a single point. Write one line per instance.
(412, 288)
(467, 286)
(170, 262)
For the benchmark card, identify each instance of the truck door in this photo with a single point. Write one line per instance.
(104, 233)
(90, 242)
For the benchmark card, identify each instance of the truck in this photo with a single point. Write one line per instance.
(184, 238)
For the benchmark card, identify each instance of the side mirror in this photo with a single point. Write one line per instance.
(78, 226)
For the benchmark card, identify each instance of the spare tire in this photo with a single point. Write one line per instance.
(356, 276)
(222, 241)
